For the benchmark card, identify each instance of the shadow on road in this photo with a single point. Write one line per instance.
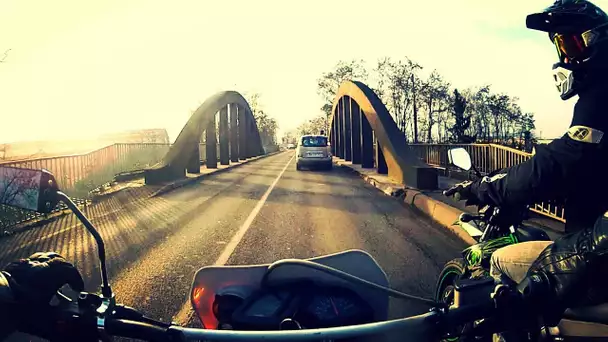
(129, 223)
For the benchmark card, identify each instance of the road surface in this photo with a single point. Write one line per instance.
(256, 213)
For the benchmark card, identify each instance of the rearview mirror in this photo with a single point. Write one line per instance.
(28, 189)
(460, 157)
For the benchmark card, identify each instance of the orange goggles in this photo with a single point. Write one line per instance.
(570, 47)
(576, 46)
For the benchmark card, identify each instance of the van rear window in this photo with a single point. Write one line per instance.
(314, 141)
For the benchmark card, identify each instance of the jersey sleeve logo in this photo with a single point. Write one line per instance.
(585, 134)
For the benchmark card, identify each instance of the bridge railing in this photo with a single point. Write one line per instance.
(487, 158)
(78, 174)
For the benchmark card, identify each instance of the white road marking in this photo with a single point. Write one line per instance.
(185, 313)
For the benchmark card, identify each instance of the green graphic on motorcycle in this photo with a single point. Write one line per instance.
(481, 252)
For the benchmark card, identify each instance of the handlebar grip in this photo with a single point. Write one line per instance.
(136, 330)
(466, 217)
(451, 191)
(468, 313)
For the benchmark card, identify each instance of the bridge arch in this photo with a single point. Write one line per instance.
(363, 132)
(239, 138)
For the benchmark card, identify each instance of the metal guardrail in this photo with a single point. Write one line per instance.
(81, 173)
(77, 175)
(487, 158)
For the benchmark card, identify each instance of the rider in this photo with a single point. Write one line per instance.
(571, 168)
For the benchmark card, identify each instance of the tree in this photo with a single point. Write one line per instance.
(497, 118)
(4, 151)
(4, 56)
(253, 99)
(18, 190)
(149, 136)
(443, 115)
(478, 102)
(289, 137)
(461, 121)
(316, 125)
(19, 187)
(267, 126)
(498, 105)
(397, 87)
(4, 148)
(435, 97)
(329, 83)
(526, 125)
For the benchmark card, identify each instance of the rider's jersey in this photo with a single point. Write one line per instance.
(572, 169)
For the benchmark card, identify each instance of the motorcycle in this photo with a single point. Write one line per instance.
(491, 231)
(332, 297)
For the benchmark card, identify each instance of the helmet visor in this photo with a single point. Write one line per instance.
(570, 47)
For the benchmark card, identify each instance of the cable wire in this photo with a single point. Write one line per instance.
(345, 276)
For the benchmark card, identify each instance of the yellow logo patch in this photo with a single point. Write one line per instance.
(585, 134)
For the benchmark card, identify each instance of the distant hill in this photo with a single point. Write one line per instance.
(53, 148)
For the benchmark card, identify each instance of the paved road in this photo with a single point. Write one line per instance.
(155, 246)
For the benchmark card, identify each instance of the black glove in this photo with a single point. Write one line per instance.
(510, 216)
(36, 279)
(462, 191)
(27, 286)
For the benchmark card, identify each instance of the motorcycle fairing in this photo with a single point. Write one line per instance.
(243, 280)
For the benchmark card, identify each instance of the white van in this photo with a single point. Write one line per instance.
(313, 151)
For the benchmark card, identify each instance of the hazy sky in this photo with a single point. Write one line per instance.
(81, 68)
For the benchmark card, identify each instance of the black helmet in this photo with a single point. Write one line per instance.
(576, 27)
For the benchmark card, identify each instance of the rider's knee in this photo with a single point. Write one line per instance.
(495, 264)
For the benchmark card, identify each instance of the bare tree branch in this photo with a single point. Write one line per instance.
(4, 56)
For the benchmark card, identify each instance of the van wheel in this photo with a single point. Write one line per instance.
(298, 167)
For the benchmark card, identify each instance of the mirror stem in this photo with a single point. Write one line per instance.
(477, 173)
(106, 291)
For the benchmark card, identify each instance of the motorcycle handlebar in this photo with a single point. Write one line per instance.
(451, 191)
(468, 313)
(466, 217)
(424, 325)
(137, 330)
